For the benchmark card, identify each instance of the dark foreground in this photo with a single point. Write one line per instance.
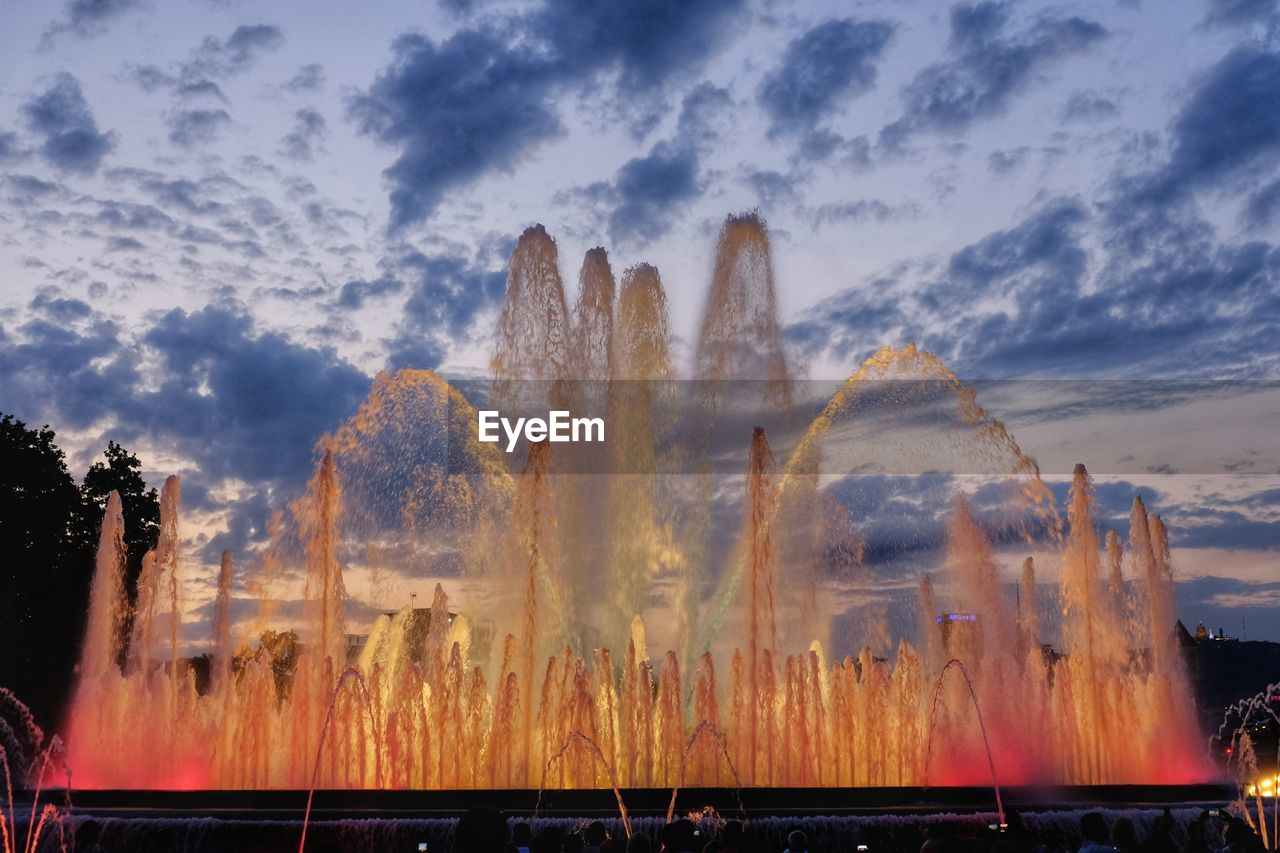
(882, 819)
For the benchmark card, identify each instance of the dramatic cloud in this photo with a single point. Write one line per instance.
(70, 141)
(819, 70)
(62, 365)
(456, 110)
(477, 102)
(240, 404)
(247, 404)
(1132, 315)
(1230, 124)
(985, 68)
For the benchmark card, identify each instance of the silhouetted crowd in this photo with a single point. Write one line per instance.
(487, 831)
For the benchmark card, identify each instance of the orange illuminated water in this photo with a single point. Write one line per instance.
(600, 637)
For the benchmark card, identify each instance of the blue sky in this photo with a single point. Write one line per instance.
(219, 220)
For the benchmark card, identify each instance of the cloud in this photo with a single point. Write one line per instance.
(58, 308)
(28, 189)
(88, 18)
(244, 403)
(218, 58)
(986, 67)
(480, 100)
(773, 188)
(1229, 125)
(1137, 284)
(1027, 301)
(1085, 106)
(822, 143)
(310, 78)
(70, 141)
(455, 110)
(354, 294)
(303, 142)
(240, 403)
(124, 244)
(189, 128)
(648, 194)
(1004, 162)
(1262, 208)
(214, 59)
(1240, 12)
(862, 210)
(447, 293)
(200, 89)
(8, 146)
(649, 191)
(63, 367)
(646, 44)
(150, 78)
(196, 197)
(820, 69)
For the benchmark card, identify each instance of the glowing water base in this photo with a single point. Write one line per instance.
(600, 635)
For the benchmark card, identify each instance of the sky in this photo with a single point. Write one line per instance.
(220, 220)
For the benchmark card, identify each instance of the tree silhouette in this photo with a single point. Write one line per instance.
(46, 566)
(48, 535)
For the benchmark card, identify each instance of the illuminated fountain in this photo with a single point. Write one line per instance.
(606, 631)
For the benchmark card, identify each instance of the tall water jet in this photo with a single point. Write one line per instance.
(533, 341)
(928, 626)
(978, 588)
(222, 649)
(1115, 577)
(101, 648)
(590, 369)
(740, 336)
(325, 589)
(99, 657)
(762, 630)
(539, 555)
(1168, 667)
(159, 576)
(740, 363)
(593, 336)
(1089, 628)
(1029, 606)
(636, 407)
